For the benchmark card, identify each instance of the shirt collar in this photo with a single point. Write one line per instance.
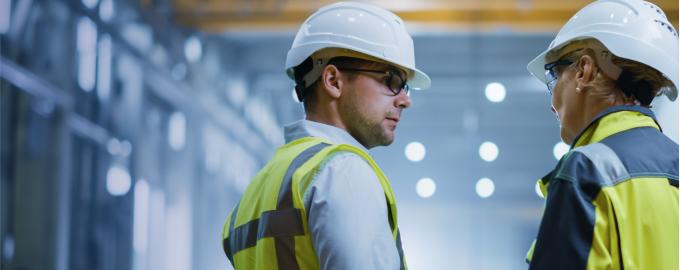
(592, 127)
(305, 128)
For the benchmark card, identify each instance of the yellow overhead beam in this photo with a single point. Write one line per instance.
(520, 15)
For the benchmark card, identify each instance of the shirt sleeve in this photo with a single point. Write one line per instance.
(566, 232)
(348, 218)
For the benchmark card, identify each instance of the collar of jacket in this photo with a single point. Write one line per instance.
(614, 120)
(608, 122)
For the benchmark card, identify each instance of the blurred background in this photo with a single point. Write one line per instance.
(129, 128)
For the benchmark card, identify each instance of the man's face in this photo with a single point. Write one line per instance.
(369, 109)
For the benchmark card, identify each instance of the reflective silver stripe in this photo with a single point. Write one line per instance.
(285, 193)
(283, 223)
(400, 249)
(607, 163)
(285, 245)
(227, 243)
(275, 223)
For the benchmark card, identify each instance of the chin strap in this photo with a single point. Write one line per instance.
(299, 73)
(307, 74)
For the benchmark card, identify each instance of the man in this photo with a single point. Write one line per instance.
(612, 200)
(322, 202)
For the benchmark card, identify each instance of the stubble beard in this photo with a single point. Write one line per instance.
(367, 132)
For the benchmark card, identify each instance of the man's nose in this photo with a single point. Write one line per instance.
(402, 100)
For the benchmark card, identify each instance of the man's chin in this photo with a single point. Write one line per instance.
(388, 138)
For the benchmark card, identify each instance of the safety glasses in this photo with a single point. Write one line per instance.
(551, 73)
(392, 80)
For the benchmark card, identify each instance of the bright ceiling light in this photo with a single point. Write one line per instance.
(495, 92)
(425, 187)
(415, 151)
(484, 187)
(488, 151)
(560, 149)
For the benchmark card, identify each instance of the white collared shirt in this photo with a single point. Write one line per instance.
(346, 204)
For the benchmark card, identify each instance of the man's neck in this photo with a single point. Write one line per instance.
(328, 119)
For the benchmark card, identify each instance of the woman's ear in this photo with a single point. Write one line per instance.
(585, 71)
(330, 79)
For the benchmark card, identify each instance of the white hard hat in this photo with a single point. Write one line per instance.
(630, 29)
(355, 29)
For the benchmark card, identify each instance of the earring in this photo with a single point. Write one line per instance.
(578, 89)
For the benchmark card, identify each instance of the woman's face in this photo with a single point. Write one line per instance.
(567, 103)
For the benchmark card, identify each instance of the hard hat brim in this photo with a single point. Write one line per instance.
(614, 44)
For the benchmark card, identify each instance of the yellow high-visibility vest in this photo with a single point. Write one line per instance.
(268, 229)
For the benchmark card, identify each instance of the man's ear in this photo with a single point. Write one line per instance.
(585, 71)
(330, 79)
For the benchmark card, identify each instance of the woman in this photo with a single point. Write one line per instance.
(612, 200)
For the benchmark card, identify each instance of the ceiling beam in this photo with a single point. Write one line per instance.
(520, 15)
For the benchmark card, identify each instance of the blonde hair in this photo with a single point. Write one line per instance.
(605, 88)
